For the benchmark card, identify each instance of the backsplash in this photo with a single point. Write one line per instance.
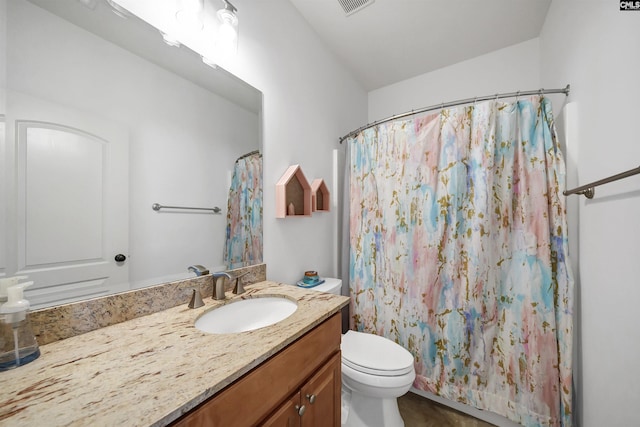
(68, 320)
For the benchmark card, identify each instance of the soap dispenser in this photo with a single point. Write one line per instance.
(18, 345)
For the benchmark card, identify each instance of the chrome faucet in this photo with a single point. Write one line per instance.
(219, 280)
(198, 269)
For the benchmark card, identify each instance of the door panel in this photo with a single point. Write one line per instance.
(71, 191)
(61, 184)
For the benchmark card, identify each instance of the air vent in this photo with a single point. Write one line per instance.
(352, 6)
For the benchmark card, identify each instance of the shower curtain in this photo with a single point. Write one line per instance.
(458, 251)
(243, 244)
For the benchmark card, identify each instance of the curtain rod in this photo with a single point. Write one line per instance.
(458, 102)
(588, 190)
(251, 153)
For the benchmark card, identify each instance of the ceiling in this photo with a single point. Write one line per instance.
(393, 40)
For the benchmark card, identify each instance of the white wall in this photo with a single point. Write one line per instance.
(310, 100)
(593, 46)
(506, 70)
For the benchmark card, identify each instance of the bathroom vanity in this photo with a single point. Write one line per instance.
(160, 370)
(310, 367)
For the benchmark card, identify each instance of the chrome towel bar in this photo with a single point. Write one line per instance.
(157, 207)
(588, 190)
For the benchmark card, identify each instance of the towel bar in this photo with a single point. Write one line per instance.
(588, 190)
(157, 207)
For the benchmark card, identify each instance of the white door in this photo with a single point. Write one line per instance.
(71, 190)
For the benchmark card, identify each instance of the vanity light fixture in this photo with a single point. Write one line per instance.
(224, 37)
(227, 40)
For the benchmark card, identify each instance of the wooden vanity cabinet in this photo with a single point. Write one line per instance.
(317, 404)
(280, 391)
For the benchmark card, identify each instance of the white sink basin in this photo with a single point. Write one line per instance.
(246, 315)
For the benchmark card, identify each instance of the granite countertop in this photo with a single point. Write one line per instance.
(150, 370)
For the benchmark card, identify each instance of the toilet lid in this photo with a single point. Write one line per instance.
(373, 354)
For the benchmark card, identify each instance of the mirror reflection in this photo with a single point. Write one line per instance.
(101, 121)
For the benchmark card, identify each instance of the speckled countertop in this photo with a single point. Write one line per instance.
(150, 370)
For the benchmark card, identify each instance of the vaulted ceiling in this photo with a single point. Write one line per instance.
(391, 40)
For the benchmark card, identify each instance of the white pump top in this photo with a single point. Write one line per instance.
(16, 306)
(6, 282)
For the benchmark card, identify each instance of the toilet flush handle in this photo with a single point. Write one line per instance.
(311, 397)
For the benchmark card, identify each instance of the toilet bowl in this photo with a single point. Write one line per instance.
(375, 372)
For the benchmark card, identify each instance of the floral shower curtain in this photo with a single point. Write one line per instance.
(459, 253)
(244, 213)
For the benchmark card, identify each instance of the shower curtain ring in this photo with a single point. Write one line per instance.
(517, 96)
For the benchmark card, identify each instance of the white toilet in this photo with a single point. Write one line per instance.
(375, 372)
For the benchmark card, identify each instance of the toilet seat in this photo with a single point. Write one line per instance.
(375, 355)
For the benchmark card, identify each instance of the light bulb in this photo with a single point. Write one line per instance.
(227, 40)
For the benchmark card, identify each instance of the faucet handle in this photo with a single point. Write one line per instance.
(239, 288)
(196, 299)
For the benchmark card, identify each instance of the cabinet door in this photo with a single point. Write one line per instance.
(288, 415)
(321, 396)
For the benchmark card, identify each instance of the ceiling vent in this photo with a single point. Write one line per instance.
(352, 6)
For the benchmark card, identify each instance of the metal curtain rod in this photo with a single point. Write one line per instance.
(458, 102)
(157, 207)
(251, 153)
(588, 190)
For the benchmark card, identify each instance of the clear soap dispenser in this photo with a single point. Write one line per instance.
(18, 345)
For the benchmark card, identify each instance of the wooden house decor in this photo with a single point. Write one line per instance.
(319, 196)
(293, 194)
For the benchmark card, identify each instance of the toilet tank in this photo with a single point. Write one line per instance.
(330, 285)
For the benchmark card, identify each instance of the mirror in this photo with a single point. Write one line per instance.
(100, 120)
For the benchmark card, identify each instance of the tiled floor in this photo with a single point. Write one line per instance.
(420, 412)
